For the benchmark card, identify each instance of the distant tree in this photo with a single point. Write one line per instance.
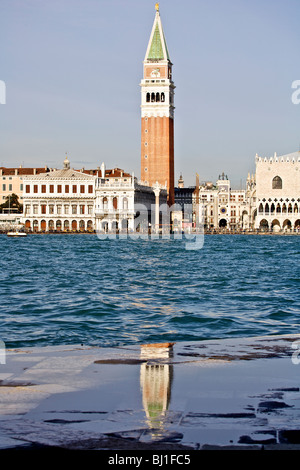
(12, 202)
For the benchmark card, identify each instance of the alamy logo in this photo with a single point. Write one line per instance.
(2, 352)
(296, 353)
(2, 92)
(296, 94)
(156, 224)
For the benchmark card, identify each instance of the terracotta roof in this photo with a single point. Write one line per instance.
(113, 173)
(22, 171)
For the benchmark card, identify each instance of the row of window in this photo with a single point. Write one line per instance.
(59, 210)
(222, 200)
(266, 208)
(75, 208)
(155, 81)
(115, 203)
(9, 187)
(59, 188)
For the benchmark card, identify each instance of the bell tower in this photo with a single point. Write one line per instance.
(157, 110)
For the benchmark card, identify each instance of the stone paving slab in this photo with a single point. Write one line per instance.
(236, 393)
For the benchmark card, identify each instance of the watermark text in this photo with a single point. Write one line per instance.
(295, 355)
(2, 92)
(157, 222)
(296, 94)
(2, 353)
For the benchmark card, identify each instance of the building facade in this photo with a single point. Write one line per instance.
(11, 180)
(222, 208)
(157, 113)
(122, 204)
(114, 197)
(102, 200)
(277, 193)
(217, 206)
(59, 200)
(270, 202)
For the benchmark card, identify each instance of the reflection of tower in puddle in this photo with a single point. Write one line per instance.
(156, 381)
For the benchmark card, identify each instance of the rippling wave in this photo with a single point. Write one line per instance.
(67, 289)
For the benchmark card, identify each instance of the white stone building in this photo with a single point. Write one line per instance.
(59, 200)
(278, 193)
(123, 204)
(270, 203)
(114, 201)
(101, 200)
(224, 208)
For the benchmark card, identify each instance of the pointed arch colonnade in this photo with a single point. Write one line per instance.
(278, 215)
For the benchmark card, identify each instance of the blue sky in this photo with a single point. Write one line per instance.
(72, 70)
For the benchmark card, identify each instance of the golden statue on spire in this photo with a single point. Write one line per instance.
(157, 6)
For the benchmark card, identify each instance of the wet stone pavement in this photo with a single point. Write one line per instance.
(241, 393)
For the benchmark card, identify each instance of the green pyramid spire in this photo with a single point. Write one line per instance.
(158, 49)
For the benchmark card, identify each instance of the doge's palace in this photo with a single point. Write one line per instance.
(278, 192)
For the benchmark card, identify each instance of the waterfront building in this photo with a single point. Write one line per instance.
(157, 113)
(217, 206)
(270, 202)
(101, 199)
(223, 208)
(277, 193)
(59, 200)
(114, 208)
(11, 180)
(123, 204)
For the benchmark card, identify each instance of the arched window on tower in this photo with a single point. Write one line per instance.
(148, 98)
(157, 97)
(152, 97)
(162, 99)
(277, 183)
